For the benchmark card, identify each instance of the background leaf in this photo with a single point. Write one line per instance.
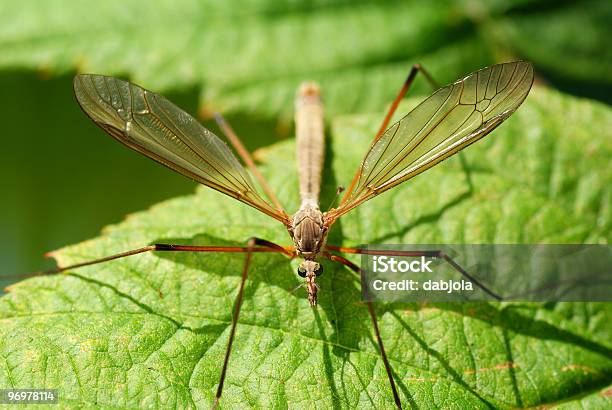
(249, 56)
(150, 330)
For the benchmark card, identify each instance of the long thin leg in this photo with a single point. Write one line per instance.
(383, 127)
(248, 160)
(433, 83)
(430, 254)
(253, 245)
(260, 245)
(237, 306)
(372, 312)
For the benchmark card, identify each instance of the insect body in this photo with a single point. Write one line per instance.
(308, 229)
(450, 119)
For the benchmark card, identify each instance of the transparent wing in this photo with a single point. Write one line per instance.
(450, 119)
(153, 126)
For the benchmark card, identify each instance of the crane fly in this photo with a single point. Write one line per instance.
(449, 120)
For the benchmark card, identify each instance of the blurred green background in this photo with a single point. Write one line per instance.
(63, 179)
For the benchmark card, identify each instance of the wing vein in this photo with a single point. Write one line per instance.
(440, 127)
(365, 187)
(389, 170)
(161, 131)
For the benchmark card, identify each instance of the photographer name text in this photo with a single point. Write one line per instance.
(386, 264)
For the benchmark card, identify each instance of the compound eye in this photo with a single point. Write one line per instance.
(301, 271)
(319, 270)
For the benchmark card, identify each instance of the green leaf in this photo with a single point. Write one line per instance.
(570, 36)
(150, 330)
(249, 56)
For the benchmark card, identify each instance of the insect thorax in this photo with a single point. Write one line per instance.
(308, 231)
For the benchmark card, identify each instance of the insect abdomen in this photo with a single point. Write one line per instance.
(310, 141)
